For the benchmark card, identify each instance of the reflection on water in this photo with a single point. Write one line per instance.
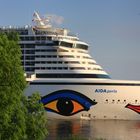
(106, 129)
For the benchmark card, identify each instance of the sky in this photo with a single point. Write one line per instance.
(110, 27)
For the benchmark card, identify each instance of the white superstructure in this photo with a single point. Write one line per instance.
(72, 84)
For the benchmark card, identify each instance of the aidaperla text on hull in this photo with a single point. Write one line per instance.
(105, 91)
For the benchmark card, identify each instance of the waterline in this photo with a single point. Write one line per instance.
(91, 130)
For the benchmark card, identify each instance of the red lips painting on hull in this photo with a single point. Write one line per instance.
(135, 108)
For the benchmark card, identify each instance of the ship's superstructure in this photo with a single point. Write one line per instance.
(71, 83)
(49, 52)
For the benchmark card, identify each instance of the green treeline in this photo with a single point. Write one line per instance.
(21, 118)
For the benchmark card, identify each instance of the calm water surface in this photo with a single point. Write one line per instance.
(95, 129)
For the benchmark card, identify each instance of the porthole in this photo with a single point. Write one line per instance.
(118, 101)
(106, 100)
(124, 101)
(89, 115)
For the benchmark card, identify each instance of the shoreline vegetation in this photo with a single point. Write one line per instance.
(21, 117)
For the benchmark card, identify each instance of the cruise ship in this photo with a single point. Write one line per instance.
(72, 84)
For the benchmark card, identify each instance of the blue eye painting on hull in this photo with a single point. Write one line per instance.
(67, 102)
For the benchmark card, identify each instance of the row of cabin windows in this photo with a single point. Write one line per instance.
(32, 46)
(28, 57)
(31, 63)
(51, 50)
(28, 51)
(87, 57)
(22, 31)
(19, 31)
(57, 62)
(33, 38)
(37, 44)
(41, 38)
(45, 56)
(28, 46)
(48, 50)
(94, 117)
(61, 43)
(65, 37)
(52, 68)
(92, 63)
(29, 69)
(79, 51)
(52, 62)
(43, 50)
(60, 56)
(71, 75)
(54, 56)
(51, 43)
(39, 32)
(71, 45)
(98, 69)
(118, 101)
(45, 44)
(65, 68)
(60, 68)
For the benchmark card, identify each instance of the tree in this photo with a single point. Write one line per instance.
(12, 83)
(14, 106)
(35, 118)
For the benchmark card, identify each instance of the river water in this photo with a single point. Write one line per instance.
(94, 129)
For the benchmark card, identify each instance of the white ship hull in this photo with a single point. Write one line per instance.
(72, 84)
(114, 99)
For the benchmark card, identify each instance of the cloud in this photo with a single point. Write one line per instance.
(55, 19)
